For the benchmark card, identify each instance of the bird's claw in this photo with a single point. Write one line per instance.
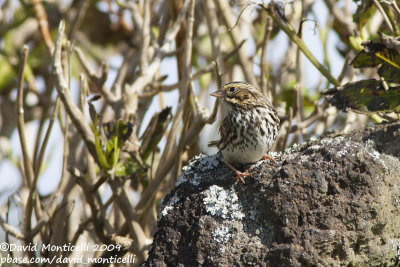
(241, 175)
(265, 157)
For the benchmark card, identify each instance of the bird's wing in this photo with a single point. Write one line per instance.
(225, 133)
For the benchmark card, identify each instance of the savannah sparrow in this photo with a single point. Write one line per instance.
(250, 127)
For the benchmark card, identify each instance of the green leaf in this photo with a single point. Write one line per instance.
(389, 73)
(364, 12)
(365, 96)
(365, 60)
(355, 42)
(128, 167)
(92, 110)
(154, 131)
(385, 53)
(390, 56)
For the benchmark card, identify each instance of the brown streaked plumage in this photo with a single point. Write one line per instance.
(249, 128)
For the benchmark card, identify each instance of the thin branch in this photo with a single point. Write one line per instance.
(80, 15)
(73, 111)
(97, 214)
(395, 7)
(273, 11)
(342, 19)
(317, 114)
(186, 85)
(236, 36)
(267, 35)
(212, 23)
(169, 153)
(136, 16)
(145, 37)
(28, 167)
(98, 80)
(209, 68)
(385, 17)
(41, 16)
(290, 120)
(11, 230)
(132, 219)
(146, 78)
(40, 157)
(123, 244)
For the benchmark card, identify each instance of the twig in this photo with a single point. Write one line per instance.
(395, 7)
(9, 229)
(210, 67)
(298, 87)
(342, 19)
(169, 153)
(132, 219)
(289, 128)
(236, 37)
(385, 17)
(136, 16)
(73, 111)
(212, 23)
(98, 80)
(28, 168)
(40, 157)
(273, 11)
(66, 152)
(145, 37)
(97, 216)
(80, 15)
(344, 69)
(240, 15)
(82, 226)
(317, 114)
(41, 16)
(131, 58)
(146, 78)
(267, 34)
(125, 245)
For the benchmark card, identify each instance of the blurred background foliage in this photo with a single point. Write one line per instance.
(101, 166)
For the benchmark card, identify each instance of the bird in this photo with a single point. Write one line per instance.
(249, 128)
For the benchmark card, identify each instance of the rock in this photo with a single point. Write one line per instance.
(330, 201)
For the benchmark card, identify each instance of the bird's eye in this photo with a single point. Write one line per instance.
(232, 89)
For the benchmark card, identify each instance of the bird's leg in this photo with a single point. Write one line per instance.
(268, 157)
(239, 175)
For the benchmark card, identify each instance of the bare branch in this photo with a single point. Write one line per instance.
(383, 13)
(41, 16)
(235, 34)
(73, 111)
(169, 153)
(28, 167)
(145, 37)
(11, 229)
(267, 34)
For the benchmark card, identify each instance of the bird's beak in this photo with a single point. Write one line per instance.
(217, 94)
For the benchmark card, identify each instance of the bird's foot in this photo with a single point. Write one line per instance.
(239, 175)
(265, 157)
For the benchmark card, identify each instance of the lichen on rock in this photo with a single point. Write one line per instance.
(328, 201)
(222, 202)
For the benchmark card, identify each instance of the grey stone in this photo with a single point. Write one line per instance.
(331, 201)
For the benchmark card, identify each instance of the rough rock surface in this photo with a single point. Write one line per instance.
(331, 201)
